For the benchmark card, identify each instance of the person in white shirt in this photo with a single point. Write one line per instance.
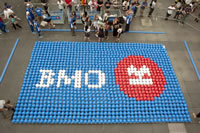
(188, 1)
(5, 105)
(61, 5)
(75, 4)
(125, 5)
(170, 11)
(7, 12)
(93, 5)
(152, 7)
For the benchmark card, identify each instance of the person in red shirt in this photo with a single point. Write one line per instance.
(1, 20)
(69, 4)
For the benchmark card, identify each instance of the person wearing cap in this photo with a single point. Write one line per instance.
(30, 22)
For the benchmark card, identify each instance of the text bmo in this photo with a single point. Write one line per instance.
(49, 75)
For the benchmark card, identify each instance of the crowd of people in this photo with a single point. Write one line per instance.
(182, 9)
(100, 22)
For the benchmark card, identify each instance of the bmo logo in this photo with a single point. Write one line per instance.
(137, 77)
(140, 77)
(48, 76)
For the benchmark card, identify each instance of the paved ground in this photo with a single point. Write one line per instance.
(173, 40)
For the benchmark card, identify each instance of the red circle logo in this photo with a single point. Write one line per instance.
(140, 77)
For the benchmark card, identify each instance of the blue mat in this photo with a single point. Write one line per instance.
(100, 83)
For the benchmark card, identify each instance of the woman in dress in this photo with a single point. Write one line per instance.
(115, 26)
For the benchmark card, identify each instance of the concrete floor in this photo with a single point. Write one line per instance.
(173, 40)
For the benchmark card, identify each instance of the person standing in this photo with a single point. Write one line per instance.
(101, 34)
(170, 11)
(29, 9)
(84, 4)
(14, 22)
(107, 4)
(142, 8)
(38, 12)
(119, 32)
(7, 5)
(37, 28)
(187, 10)
(152, 7)
(45, 5)
(93, 5)
(125, 5)
(115, 26)
(69, 5)
(99, 5)
(107, 27)
(137, 5)
(73, 23)
(87, 33)
(128, 22)
(61, 5)
(75, 4)
(2, 26)
(30, 22)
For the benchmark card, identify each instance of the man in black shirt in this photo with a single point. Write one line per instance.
(107, 4)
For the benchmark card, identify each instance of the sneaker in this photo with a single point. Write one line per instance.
(7, 30)
(40, 36)
(34, 32)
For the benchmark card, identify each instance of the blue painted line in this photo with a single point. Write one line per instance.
(193, 63)
(79, 30)
(5, 68)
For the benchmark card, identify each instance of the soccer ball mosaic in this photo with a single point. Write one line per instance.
(100, 83)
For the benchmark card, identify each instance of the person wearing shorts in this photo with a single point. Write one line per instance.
(87, 33)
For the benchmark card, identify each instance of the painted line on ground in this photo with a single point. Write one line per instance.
(79, 30)
(5, 68)
(193, 63)
(176, 128)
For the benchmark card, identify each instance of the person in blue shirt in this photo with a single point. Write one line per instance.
(133, 7)
(128, 22)
(38, 12)
(7, 6)
(137, 5)
(30, 10)
(3, 27)
(144, 4)
(30, 22)
(73, 23)
(37, 28)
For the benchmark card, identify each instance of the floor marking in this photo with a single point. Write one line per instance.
(193, 63)
(5, 68)
(176, 128)
(79, 30)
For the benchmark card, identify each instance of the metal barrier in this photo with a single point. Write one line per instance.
(57, 17)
